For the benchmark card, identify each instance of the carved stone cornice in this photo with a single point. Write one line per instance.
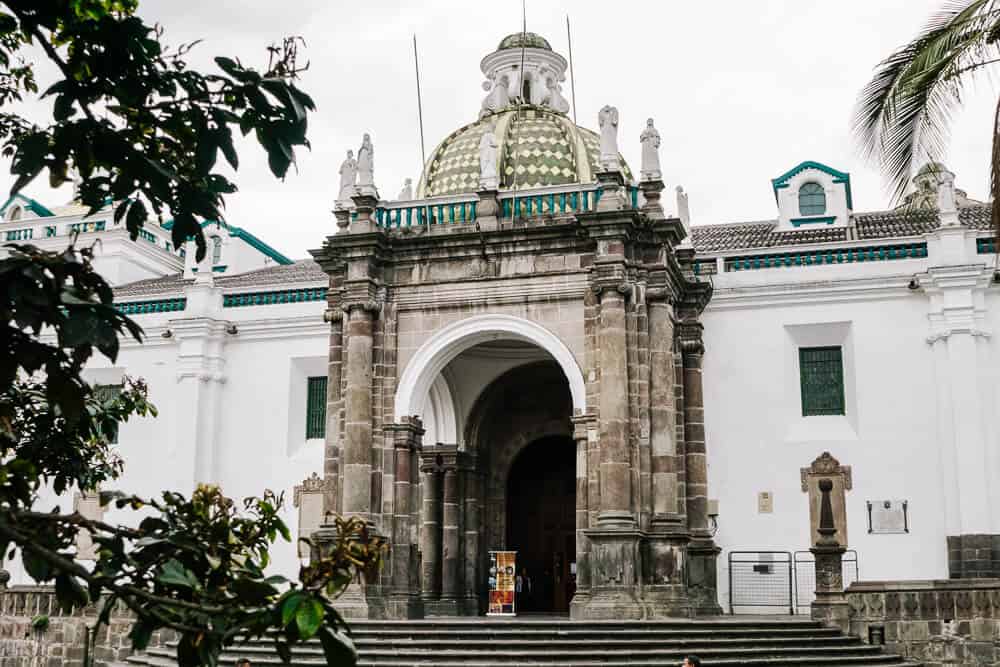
(689, 333)
(825, 464)
(610, 276)
(365, 294)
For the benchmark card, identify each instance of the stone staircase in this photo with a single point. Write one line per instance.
(487, 642)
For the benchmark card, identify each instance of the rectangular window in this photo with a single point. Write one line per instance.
(316, 408)
(821, 370)
(104, 393)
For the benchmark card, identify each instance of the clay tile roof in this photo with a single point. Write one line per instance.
(302, 271)
(896, 223)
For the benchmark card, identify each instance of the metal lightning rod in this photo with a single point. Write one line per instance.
(517, 109)
(420, 106)
(572, 77)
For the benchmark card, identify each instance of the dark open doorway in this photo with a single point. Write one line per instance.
(541, 525)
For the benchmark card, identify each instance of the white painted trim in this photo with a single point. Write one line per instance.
(427, 364)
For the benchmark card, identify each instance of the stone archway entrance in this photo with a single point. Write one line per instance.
(541, 506)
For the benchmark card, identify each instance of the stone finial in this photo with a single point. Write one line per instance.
(348, 178)
(366, 167)
(488, 178)
(683, 212)
(650, 140)
(406, 194)
(607, 121)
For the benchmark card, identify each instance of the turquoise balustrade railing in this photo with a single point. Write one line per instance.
(444, 213)
(85, 227)
(147, 236)
(19, 234)
(156, 306)
(986, 246)
(273, 298)
(705, 267)
(826, 257)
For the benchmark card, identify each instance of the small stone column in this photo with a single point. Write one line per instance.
(584, 430)
(830, 606)
(404, 601)
(430, 527)
(702, 551)
(358, 411)
(474, 577)
(449, 535)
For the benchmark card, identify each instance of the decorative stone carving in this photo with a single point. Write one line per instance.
(945, 190)
(488, 179)
(348, 178)
(555, 98)
(366, 165)
(499, 96)
(683, 212)
(406, 194)
(308, 498)
(827, 467)
(650, 140)
(607, 120)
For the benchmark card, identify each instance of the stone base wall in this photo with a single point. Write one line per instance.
(941, 622)
(973, 556)
(62, 642)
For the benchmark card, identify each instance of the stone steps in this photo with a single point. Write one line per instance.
(561, 643)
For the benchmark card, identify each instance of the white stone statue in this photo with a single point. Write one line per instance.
(650, 140)
(607, 120)
(488, 179)
(683, 212)
(555, 99)
(366, 163)
(945, 190)
(406, 194)
(348, 177)
(499, 96)
(536, 87)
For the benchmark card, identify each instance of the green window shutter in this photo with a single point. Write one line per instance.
(821, 371)
(316, 408)
(105, 393)
(812, 199)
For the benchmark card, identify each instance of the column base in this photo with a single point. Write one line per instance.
(456, 607)
(665, 593)
(832, 614)
(404, 606)
(702, 576)
(615, 562)
(360, 600)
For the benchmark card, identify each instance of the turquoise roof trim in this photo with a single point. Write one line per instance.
(838, 177)
(29, 204)
(820, 220)
(244, 235)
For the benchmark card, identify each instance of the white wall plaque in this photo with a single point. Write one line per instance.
(888, 517)
(765, 502)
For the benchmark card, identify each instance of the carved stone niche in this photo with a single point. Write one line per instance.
(308, 499)
(827, 467)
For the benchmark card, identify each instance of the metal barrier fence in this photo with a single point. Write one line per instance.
(805, 575)
(761, 579)
(778, 578)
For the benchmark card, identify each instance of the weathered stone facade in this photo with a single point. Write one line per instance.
(941, 622)
(607, 310)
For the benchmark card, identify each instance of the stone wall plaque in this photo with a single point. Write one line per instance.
(765, 502)
(888, 517)
(308, 498)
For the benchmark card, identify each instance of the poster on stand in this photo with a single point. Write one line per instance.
(502, 571)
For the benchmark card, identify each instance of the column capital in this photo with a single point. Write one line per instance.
(611, 276)
(689, 332)
(364, 294)
(406, 433)
(584, 427)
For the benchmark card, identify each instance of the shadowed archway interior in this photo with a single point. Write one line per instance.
(541, 508)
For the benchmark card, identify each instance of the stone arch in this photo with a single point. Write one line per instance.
(426, 365)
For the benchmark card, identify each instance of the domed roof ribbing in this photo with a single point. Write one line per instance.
(539, 146)
(527, 39)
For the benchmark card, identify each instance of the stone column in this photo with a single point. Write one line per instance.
(404, 601)
(830, 606)
(702, 551)
(430, 526)
(357, 454)
(584, 431)
(333, 455)
(474, 579)
(616, 473)
(449, 535)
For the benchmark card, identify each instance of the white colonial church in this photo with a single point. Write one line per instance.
(868, 334)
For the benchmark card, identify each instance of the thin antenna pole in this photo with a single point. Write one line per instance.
(517, 110)
(420, 105)
(572, 77)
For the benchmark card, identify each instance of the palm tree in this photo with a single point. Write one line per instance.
(904, 114)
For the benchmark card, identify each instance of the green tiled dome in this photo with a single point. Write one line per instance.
(543, 148)
(527, 39)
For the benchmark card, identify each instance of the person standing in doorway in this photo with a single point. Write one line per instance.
(523, 587)
(691, 661)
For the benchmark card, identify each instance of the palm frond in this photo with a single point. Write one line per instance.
(903, 116)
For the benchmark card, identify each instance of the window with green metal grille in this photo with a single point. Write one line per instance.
(821, 370)
(316, 408)
(104, 393)
(812, 199)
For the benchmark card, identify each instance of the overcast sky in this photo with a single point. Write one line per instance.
(740, 91)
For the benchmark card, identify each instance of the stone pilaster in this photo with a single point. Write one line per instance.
(430, 526)
(334, 403)
(584, 433)
(404, 600)
(702, 551)
(488, 211)
(449, 535)
(474, 577)
(364, 220)
(357, 455)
